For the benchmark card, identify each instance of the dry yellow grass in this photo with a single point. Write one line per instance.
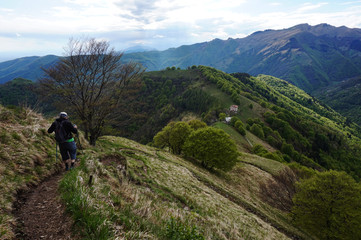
(27, 155)
(162, 185)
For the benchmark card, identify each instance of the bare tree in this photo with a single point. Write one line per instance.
(90, 79)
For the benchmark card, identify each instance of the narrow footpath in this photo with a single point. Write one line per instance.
(40, 213)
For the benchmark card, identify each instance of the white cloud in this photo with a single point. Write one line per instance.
(309, 6)
(164, 23)
(275, 4)
(6, 10)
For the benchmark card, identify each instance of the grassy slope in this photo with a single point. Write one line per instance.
(27, 155)
(160, 186)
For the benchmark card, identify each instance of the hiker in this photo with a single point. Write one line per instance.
(63, 134)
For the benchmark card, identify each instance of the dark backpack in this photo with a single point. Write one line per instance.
(60, 133)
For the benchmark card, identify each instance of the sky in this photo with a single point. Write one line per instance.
(42, 27)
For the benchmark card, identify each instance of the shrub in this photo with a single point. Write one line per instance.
(222, 116)
(213, 147)
(238, 123)
(234, 120)
(257, 130)
(241, 130)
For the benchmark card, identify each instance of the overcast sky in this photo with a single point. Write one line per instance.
(41, 27)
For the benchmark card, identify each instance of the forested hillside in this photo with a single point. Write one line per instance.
(295, 124)
(123, 188)
(344, 97)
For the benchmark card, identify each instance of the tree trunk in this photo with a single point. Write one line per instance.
(92, 140)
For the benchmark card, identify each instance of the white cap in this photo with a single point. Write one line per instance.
(63, 114)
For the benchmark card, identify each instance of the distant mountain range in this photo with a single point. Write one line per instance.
(310, 57)
(26, 67)
(307, 56)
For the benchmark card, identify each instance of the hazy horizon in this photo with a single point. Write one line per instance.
(41, 27)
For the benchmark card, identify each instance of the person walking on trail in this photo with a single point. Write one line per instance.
(63, 129)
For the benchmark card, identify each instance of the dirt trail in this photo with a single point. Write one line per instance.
(40, 213)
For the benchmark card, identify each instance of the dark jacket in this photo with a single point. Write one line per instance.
(67, 125)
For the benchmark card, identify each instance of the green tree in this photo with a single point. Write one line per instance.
(161, 139)
(328, 205)
(234, 120)
(241, 130)
(173, 136)
(196, 124)
(238, 123)
(213, 147)
(257, 130)
(222, 116)
(89, 81)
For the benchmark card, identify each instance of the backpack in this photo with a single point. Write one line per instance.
(60, 133)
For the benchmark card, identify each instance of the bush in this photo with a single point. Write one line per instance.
(222, 116)
(257, 130)
(213, 147)
(241, 130)
(238, 123)
(234, 120)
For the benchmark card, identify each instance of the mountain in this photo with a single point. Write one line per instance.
(27, 67)
(139, 48)
(307, 56)
(310, 57)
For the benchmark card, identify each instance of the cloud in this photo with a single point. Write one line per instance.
(6, 10)
(162, 23)
(275, 4)
(309, 6)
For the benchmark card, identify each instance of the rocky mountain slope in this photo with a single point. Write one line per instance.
(308, 56)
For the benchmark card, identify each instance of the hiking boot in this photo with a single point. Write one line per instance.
(66, 166)
(72, 165)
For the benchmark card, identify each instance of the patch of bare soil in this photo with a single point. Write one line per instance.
(40, 213)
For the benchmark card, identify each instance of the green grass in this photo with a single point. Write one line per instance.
(90, 222)
(240, 140)
(224, 100)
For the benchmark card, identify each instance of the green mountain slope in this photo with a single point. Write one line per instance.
(316, 135)
(18, 92)
(292, 125)
(27, 67)
(125, 189)
(344, 97)
(308, 56)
